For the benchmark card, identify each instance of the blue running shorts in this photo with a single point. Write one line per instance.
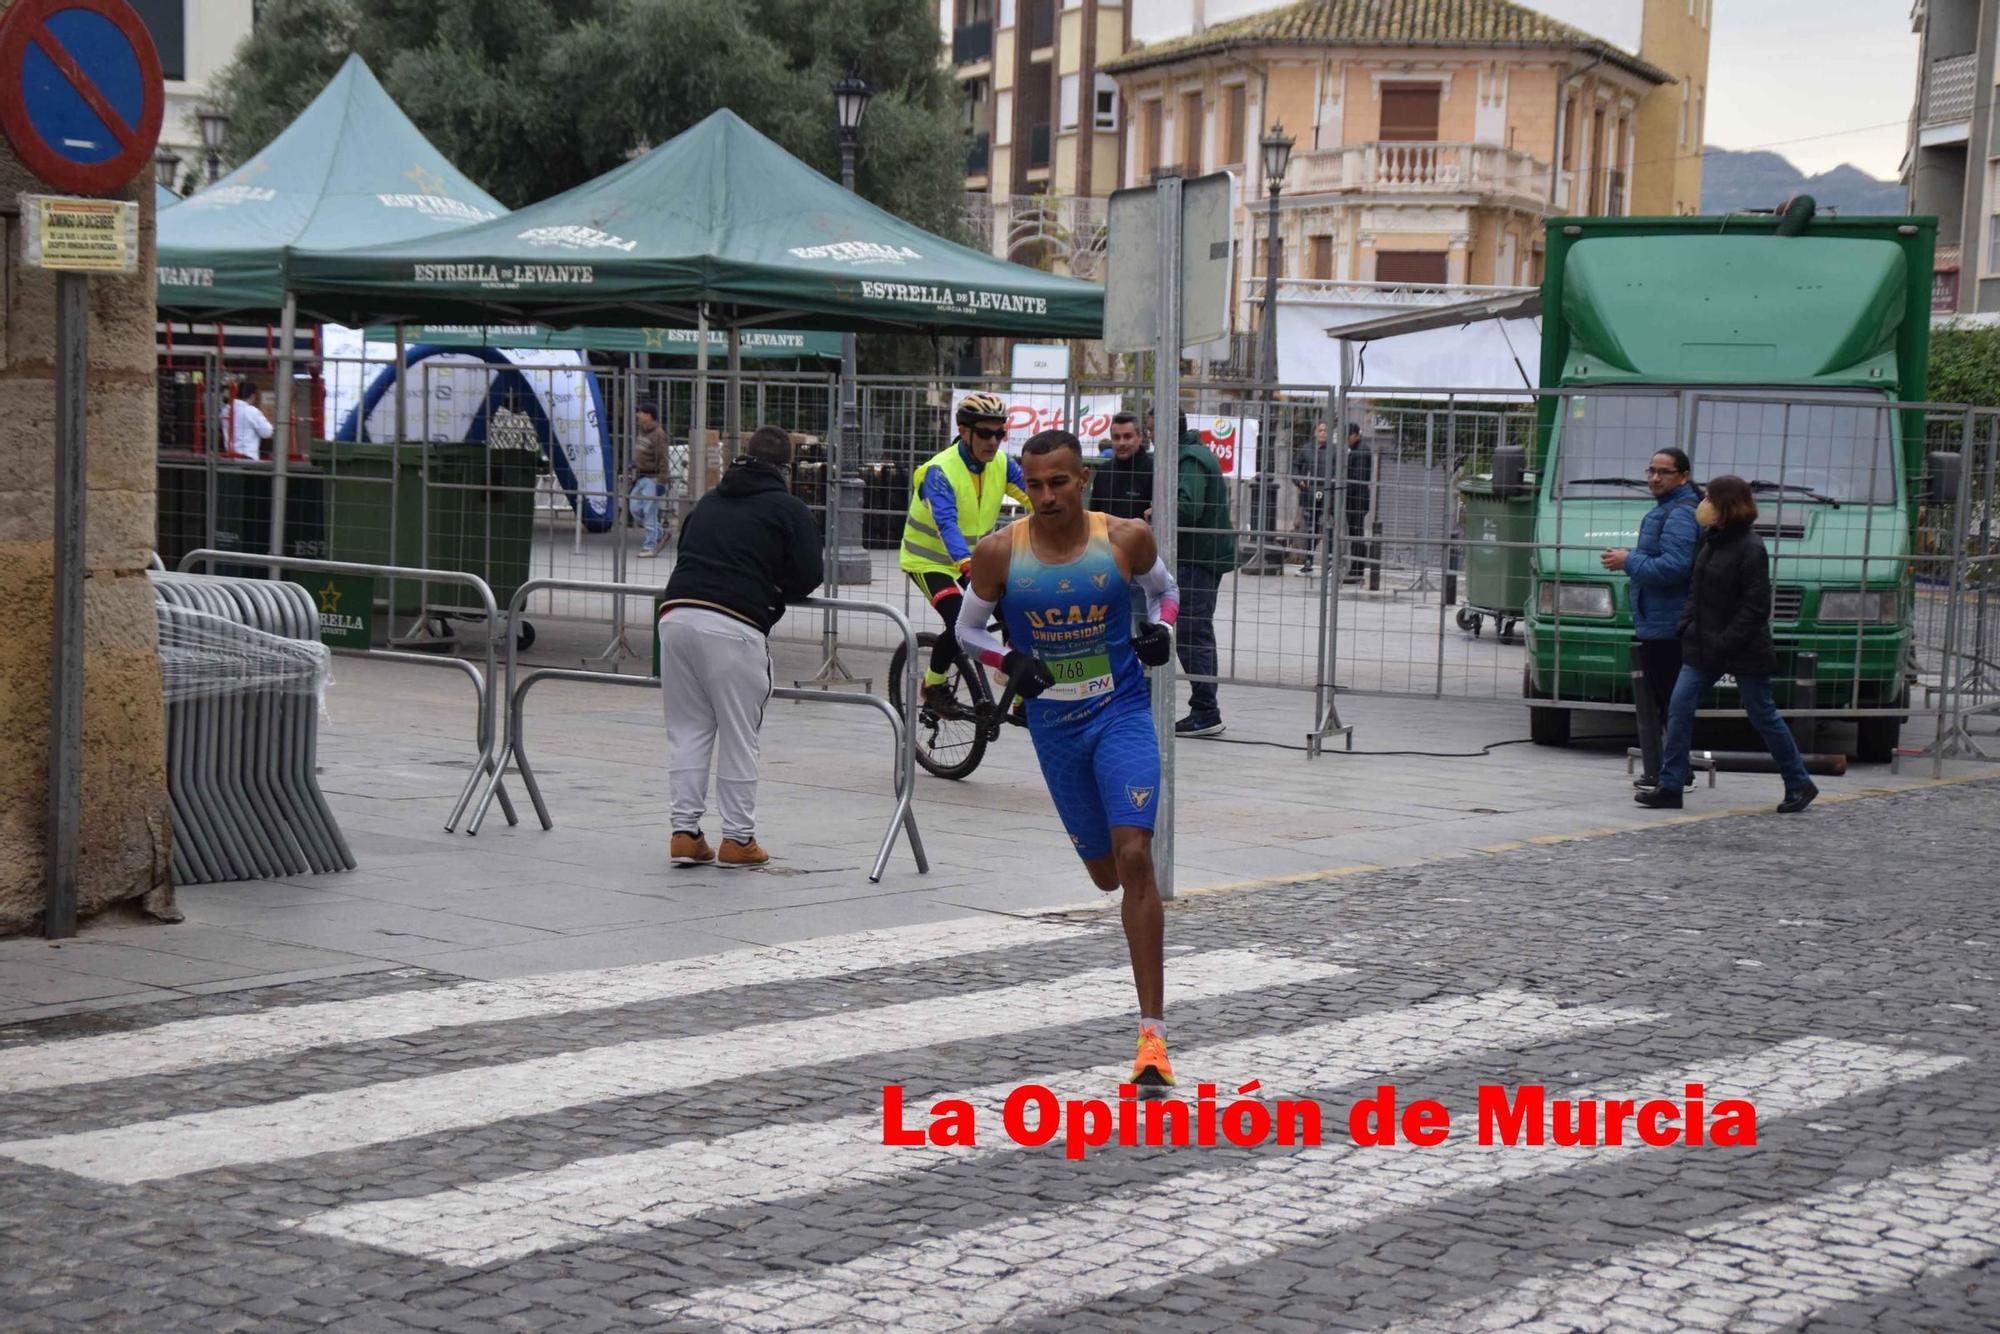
(1102, 772)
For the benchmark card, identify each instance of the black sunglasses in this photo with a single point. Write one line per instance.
(989, 432)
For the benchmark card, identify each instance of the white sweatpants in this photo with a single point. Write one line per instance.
(715, 679)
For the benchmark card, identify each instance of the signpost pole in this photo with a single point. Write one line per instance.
(1166, 496)
(281, 435)
(65, 818)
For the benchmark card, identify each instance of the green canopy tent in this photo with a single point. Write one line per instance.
(718, 226)
(163, 197)
(351, 170)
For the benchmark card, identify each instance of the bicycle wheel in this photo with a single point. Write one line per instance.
(950, 744)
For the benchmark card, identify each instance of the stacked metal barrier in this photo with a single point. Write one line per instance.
(244, 669)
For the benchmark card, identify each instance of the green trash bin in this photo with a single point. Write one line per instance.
(374, 508)
(243, 515)
(482, 519)
(1498, 533)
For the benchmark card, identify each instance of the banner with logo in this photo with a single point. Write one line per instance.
(1032, 413)
(1233, 441)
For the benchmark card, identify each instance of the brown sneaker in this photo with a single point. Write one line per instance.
(746, 853)
(690, 850)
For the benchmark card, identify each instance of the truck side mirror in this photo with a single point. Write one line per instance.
(1941, 478)
(1510, 466)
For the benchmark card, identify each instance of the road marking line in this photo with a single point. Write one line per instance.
(532, 1211)
(430, 1104)
(1051, 1262)
(219, 1039)
(1776, 1266)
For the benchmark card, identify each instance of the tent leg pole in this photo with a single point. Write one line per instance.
(281, 437)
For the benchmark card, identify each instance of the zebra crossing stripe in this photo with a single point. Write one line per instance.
(1773, 1267)
(1047, 1263)
(430, 1104)
(192, 1043)
(630, 1192)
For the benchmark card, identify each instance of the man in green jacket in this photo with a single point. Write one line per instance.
(1205, 551)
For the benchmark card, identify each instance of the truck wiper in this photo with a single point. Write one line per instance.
(1805, 491)
(1605, 481)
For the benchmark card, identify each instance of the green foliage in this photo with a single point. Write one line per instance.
(1965, 366)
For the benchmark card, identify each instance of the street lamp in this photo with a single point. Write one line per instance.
(214, 129)
(852, 566)
(166, 168)
(1277, 146)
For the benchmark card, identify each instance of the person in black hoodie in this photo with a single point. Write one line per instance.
(1725, 628)
(747, 551)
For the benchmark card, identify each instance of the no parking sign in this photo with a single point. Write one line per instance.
(81, 97)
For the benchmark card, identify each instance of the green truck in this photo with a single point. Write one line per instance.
(1772, 347)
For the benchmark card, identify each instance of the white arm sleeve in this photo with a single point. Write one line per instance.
(1162, 593)
(978, 641)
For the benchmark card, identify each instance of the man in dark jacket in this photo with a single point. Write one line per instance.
(1205, 551)
(1123, 486)
(1658, 569)
(1312, 477)
(1360, 499)
(747, 551)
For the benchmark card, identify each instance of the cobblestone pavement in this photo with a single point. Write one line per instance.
(699, 1142)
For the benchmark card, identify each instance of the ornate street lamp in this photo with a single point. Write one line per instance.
(1277, 146)
(167, 168)
(214, 130)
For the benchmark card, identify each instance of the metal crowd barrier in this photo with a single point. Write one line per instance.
(517, 687)
(486, 737)
(240, 761)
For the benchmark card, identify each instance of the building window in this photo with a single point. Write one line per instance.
(1006, 13)
(1041, 24)
(1700, 115)
(1003, 119)
(1264, 256)
(1151, 119)
(166, 20)
(1410, 266)
(1570, 112)
(1191, 133)
(1104, 112)
(1068, 89)
(1686, 86)
(1322, 258)
(1410, 112)
(1235, 120)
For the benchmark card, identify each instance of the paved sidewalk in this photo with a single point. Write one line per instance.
(596, 890)
(699, 1143)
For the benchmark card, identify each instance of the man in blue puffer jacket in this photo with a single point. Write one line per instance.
(1659, 568)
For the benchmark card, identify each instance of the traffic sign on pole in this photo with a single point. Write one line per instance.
(81, 97)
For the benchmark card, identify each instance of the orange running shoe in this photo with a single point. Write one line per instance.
(1151, 1068)
(690, 850)
(743, 853)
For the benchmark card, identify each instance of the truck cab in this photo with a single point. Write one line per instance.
(1777, 348)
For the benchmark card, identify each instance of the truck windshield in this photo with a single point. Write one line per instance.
(1808, 453)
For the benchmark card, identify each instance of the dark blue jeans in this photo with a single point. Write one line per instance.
(1757, 702)
(1194, 633)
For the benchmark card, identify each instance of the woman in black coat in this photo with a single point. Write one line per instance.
(1726, 629)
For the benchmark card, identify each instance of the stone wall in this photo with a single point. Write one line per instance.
(126, 837)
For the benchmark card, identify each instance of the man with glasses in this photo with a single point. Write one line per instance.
(1660, 567)
(955, 499)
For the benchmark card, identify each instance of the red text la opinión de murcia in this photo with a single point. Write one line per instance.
(1523, 1115)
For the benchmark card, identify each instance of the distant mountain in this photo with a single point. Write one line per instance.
(1766, 180)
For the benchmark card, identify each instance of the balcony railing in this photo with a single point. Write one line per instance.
(1392, 167)
(1067, 229)
(979, 155)
(972, 42)
(1948, 91)
(1041, 23)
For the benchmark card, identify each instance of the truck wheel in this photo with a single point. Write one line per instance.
(1876, 738)
(524, 638)
(1548, 727)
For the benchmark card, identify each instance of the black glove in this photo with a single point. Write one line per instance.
(1154, 643)
(1030, 676)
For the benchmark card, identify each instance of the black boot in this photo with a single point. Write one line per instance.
(1659, 798)
(1798, 798)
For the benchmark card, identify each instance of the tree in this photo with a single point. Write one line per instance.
(1965, 366)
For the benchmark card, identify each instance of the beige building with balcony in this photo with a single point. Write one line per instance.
(1952, 166)
(1431, 138)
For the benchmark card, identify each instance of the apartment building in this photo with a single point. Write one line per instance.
(1431, 136)
(1043, 123)
(1949, 169)
(196, 40)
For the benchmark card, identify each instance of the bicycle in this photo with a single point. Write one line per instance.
(952, 742)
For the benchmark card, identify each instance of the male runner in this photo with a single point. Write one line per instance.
(1061, 578)
(954, 501)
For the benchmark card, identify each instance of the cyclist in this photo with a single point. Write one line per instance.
(1065, 574)
(954, 501)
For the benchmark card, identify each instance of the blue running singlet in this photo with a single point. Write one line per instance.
(1093, 729)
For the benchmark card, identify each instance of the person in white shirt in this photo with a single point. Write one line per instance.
(248, 427)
